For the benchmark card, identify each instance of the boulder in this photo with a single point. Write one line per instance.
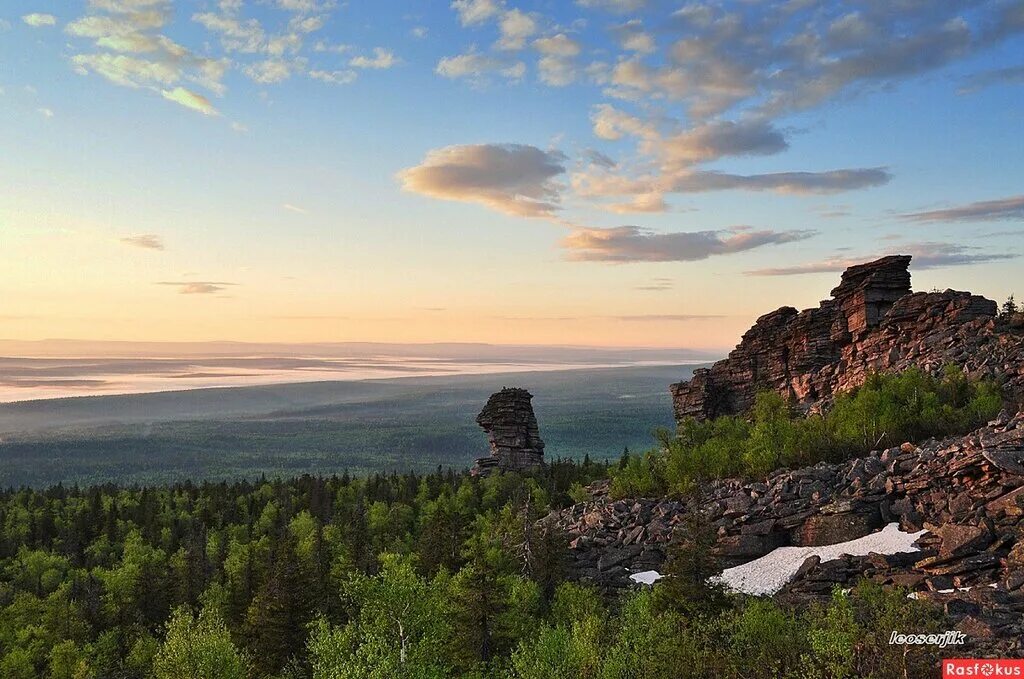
(959, 539)
(831, 528)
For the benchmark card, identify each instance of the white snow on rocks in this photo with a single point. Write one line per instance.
(772, 571)
(646, 577)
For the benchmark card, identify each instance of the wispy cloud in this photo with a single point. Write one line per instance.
(557, 64)
(338, 77)
(515, 27)
(198, 287)
(719, 139)
(270, 71)
(927, 255)
(599, 159)
(147, 241)
(295, 208)
(633, 244)
(834, 211)
(598, 183)
(190, 99)
(380, 59)
(132, 51)
(1003, 234)
(37, 20)
(657, 285)
(681, 318)
(342, 48)
(1013, 75)
(616, 6)
(715, 68)
(981, 211)
(478, 68)
(472, 12)
(644, 202)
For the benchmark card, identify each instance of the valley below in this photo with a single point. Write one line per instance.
(363, 426)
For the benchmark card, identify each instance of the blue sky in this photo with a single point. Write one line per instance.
(612, 172)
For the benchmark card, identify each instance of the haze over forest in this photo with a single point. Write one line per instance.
(58, 369)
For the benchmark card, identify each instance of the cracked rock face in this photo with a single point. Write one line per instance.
(512, 431)
(871, 323)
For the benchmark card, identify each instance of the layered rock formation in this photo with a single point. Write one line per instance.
(512, 432)
(968, 492)
(873, 322)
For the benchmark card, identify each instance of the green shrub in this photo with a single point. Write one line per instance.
(689, 587)
(765, 638)
(646, 643)
(885, 411)
(570, 651)
(849, 638)
(638, 477)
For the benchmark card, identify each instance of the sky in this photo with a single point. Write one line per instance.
(598, 172)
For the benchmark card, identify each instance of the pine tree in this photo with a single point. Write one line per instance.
(279, 614)
(1009, 308)
(549, 549)
(491, 612)
(688, 585)
(442, 532)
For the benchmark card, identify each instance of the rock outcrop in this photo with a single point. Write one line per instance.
(512, 432)
(872, 323)
(967, 492)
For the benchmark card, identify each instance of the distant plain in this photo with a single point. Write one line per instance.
(363, 426)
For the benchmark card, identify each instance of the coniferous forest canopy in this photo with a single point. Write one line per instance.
(430, 575)
(437, 574)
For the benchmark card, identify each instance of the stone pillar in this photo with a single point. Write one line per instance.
(512, 432)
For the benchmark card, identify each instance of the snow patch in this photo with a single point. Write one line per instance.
(774, 570)
(646, 577)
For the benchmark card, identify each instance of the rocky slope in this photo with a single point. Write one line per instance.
(964, 494)
(967, 492)
(872, 322)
